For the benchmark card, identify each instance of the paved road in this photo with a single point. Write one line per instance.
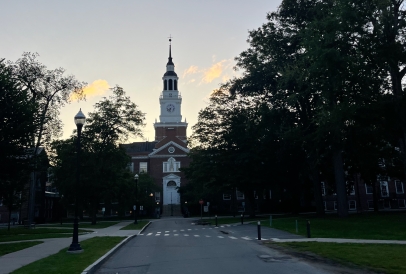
(177, 246)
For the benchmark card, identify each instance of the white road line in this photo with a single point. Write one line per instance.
(207, 236)
(221, 237)
(189, 229)
(231, 237)
(246, 238)
(186, 235)
(175, 234)
(157, 234)
(141, 234)
(182, 230)
(204, 228)
(167, 231)
(222, 226)
(175, 230)
(149, 234)
(197, 235)
(166, 234)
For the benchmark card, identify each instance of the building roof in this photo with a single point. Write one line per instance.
(139, 147)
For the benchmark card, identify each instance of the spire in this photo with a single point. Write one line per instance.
(170, 53)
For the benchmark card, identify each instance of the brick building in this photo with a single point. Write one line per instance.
(163, 157)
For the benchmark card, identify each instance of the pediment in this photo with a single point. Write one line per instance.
(164, 150)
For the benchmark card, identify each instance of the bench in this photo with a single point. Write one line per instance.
(26, 225)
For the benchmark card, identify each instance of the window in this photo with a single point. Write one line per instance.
(226, 197)
(170, 84)
(165, 85)
(175, 84)
(255, 195)
(157, 197)
(171, 183)
(130, 167)
(270, 194)
(384, 188)
(171, 165)
(325, 205)
(350, 188)
(143, 167)
(401, 203)
(370, 204)
(323, 189)
(239, 194)
(368, 189)
(352, 205)
(335, 205)
(399, 187)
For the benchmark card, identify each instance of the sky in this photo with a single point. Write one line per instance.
(125, 43)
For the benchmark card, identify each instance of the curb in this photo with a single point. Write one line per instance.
(95, 266)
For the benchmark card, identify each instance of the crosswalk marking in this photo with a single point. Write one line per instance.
(182, 230)
(175, 230)
(207, 236)
(167, 231)
(197, 235)
(246, 238)
(166, 234)
(189, 229)
(231, 237)
(221, 237)
(175, 234)
(157, 234)
(186, 235)
(149, 234)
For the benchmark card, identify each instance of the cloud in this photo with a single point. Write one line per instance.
(191, 70)
(97, 88)
(213, 72)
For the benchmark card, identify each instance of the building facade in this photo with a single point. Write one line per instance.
(163, 157)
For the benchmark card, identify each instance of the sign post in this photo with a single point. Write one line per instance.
(201, 202)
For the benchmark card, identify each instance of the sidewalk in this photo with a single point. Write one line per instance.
(338, 240)
(15, 260)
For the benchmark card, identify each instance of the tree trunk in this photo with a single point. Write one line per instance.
(342, 205)
(318, 197)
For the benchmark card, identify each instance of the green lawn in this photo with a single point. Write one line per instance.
(10, 248)
(138, 226)
(380, 257)
(382, 226)
(65, 263)
(22, 234)
(98, 225)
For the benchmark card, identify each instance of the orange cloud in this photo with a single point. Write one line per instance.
(191, 70)
(97, 88)
(213, 72)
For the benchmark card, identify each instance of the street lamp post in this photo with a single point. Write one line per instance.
(75, 245)
(136, 198)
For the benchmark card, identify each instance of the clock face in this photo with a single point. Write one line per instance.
(170, 108)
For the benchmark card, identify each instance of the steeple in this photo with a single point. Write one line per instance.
(170, 66)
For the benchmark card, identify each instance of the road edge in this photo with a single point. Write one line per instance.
(95, 266)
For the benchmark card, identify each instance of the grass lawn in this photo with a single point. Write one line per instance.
(380, 226)
(10, 248)
(63, 262)
(380, 257)
(22, 234)
(82, 225)
(138, 226)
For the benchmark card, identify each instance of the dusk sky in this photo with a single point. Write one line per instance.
(125, 43)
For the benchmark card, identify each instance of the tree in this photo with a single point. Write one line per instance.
(104, 171)
(15, 131)
(49, 90)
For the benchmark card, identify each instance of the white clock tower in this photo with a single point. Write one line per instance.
(170, 100)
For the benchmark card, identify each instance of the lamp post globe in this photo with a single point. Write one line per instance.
(136, 198)
(80, 120)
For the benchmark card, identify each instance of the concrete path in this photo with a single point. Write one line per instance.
(15, 260)
(337, 240)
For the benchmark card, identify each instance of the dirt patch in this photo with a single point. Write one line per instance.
(330, 265)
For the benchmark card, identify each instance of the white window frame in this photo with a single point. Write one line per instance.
(401, 185)
(226, 197)
(404, 204)
(323, 188)
(366, 189)
(166, 166)
(386, 186)
(143, 167)
(370, 202)
(335, 205)
(239, 195)
(352, 186)
(157, 197)
(131, 167)
(354, 203)
(325, 205)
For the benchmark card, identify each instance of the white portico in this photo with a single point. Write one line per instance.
(170, 184)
